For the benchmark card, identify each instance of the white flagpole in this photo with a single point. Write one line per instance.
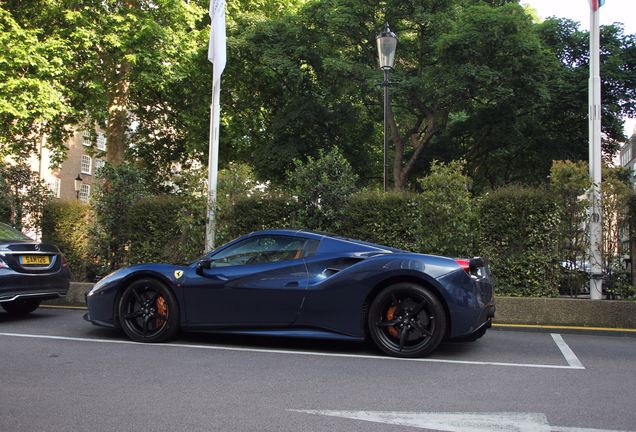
(213, 166)
(596, 233)
(216, 54)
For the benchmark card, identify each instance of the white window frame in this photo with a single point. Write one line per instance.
(84, 192)
(98, 164)
(101, 141)
(55, 186)
(86, 164)
(86, 138)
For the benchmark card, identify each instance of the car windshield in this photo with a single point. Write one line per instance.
(8, 233)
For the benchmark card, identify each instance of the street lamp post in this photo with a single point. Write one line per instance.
(78, 185)
(387, 43)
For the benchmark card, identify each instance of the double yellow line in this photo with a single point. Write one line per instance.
(551, 327)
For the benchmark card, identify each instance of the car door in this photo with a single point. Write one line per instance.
(259, 281)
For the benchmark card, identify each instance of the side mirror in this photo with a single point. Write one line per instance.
(202, 265)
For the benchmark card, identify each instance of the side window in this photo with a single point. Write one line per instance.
(260, 249)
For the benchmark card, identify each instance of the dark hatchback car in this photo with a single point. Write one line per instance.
(29, 272)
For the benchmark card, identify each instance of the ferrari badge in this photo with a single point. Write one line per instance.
(178, 274)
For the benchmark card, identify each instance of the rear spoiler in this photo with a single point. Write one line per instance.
(476, 263)
(472, 265)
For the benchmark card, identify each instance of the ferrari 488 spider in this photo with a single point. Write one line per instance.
(303, 284)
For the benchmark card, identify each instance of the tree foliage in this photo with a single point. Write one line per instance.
(23, 196)
(120, 188)
(125, 61)
(33, 92)
(323, 187)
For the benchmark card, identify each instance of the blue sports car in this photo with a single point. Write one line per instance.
(303, 284)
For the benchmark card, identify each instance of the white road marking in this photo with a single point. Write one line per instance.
(569, 355)
(290, 352)
(457, 421)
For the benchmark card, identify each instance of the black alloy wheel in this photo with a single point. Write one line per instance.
(20, 306)
(148, 311)
(407, 320)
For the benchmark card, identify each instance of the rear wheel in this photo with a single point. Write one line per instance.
(407, 320)
(21, 306)
(148, 311)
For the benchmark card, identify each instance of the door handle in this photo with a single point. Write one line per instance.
(218, 277)
(292, 284)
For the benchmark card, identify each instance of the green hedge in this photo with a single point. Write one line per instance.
(518, 229)
(413, 222)
(66, 225)
(258, 212)
(389, 219)
(153, 232)
(520, 236)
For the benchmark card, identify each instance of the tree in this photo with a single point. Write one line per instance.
(128, 56)
(33, 96)
(23, 196)
(563, 123)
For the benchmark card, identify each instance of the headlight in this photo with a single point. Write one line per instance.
(101, 284)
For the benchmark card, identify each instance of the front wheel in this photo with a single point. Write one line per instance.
(407, 320)
(148, 311)
(20, 306)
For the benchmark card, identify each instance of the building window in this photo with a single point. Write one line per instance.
(55, 187)
(87, 139)
(84, 193)
(101, 141)
(85, 165)
(99, 163)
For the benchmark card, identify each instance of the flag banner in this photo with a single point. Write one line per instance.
(216, 48)
(595, 4)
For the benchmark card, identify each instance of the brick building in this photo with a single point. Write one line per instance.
(84, 157)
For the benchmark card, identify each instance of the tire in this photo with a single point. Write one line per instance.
(21, 306)
(406, 320)
(148, 311)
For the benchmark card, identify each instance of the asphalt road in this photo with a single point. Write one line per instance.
(60, 373)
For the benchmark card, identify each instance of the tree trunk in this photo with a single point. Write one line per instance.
(418, 136)
(118, 115)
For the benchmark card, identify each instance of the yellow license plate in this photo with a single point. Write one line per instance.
(35, 259)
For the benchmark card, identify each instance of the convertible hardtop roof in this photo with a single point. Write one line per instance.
(334, 237)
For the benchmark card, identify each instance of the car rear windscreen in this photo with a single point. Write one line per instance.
(8, 233)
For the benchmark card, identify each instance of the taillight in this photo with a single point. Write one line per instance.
(3, 264)
(64, 261)
(464, 264)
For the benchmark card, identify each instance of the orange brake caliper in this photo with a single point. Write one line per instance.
(390, 314)
(162, 309)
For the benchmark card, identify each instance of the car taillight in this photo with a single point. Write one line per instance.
(464, 264)
(3, 264)
(64, 261)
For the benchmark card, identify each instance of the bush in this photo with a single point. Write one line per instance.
(447, 216)
(323, 187)
(66, 225)
(119, 188)
(388, 218)
(519, 237)
(257, 212)
(439, 220)
(153, 233)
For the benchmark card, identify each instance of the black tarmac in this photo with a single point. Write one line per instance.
(60, 373)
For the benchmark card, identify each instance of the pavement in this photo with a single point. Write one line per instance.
(60, 373)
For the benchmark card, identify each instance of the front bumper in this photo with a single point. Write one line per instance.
(87, 317)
